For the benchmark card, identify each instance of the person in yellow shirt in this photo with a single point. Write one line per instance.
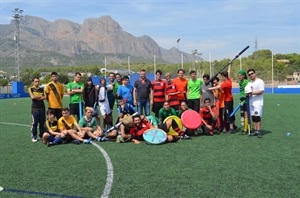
(55, 92)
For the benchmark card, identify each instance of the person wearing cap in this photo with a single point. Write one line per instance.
(243, 107)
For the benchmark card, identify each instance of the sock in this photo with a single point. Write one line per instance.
(245, 124)
(57, 140)
(176, 128)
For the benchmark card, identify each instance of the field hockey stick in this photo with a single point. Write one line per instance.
(80, 110)
(235, 110)
(117, 125)
(212, 78)
(248, 114)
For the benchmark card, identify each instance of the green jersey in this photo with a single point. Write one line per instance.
(163, 114)
(84, 122)
(75, 98)
(193, 88)
(242, 87)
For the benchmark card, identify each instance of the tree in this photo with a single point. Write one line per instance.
(3, 82)
(27, 76)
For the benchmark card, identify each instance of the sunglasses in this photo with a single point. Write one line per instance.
(250, 74)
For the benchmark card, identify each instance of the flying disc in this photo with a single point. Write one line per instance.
(179, 123)
(191, 119)
(155, 136)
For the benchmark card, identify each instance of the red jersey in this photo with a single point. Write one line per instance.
(181, 86)
(138, 131)
(173, 99)
(226, 86)
(206, 115)
(159, 88)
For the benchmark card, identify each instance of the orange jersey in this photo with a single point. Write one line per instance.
(181, 86)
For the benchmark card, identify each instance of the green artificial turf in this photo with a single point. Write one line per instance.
(219, 166)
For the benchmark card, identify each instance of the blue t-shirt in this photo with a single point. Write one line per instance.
(126, 93)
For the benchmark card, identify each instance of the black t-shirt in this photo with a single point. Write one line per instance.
(142, 89)
(89, 96)
(37, 104)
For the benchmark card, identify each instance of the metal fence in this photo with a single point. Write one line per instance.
(5, 89)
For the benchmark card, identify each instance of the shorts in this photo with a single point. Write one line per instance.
(74, 109)
(243, 107)
(157, 106)
(256, 110)
(104, 108)
(163, 126)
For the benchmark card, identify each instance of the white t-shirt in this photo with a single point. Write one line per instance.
(257, 100)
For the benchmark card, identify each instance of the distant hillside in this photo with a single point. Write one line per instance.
(62, 42)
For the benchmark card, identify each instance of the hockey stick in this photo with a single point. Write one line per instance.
(212, 78)
(117, 125)
(248, 114)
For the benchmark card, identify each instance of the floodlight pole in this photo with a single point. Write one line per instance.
(17, 15)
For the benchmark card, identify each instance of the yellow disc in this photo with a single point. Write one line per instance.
(179, 123)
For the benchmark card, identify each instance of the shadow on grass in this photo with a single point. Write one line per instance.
(265, 132)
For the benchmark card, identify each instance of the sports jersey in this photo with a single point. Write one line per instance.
(158, 87)
(37, 91)
(226, 86)
(206, 115)
(181, 86)
(51, 126)
(242, 87)
(75, 98)
(153, 120)
(172, 99)
(126, 93)
(139, 130)
(84, 122)
(257, 100)
(54, 100)
(66, 124)
(163, 113)
(193, 88)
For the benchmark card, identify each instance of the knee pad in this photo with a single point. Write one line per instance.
(255, 118)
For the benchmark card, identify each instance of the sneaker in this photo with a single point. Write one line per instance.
(259, 134)
(87, 141)
(231, 131)
(120, 139)
(103, 139)
(76, 142)
(253, 133)
(49, 144)
(185, 137)
(98, 139)
(33, 140)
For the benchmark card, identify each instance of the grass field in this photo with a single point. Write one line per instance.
(219, 166)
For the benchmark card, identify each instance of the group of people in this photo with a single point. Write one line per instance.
(211, 98)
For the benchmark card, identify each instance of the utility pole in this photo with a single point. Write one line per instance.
(17, 15)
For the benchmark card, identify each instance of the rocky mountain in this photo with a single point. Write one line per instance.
(62, 42)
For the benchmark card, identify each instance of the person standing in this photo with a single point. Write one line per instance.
(205, 91)
(110, 92)
(172, 92)
(142, 93)
(37, 96)
(126, 90)
(117, 84)
(159, 92)
(104, 103)
(75, 90)
(255, 89)
(193, 91)
(181, 84)
(243, 107)
(55, 92)
(90, 93)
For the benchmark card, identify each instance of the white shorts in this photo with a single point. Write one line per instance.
(104, 108)
(256, 110)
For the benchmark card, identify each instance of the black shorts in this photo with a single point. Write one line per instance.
(57, 113)
(74, 110)
(243, 107)
(163, 126)
(156, 107)
(228, 111)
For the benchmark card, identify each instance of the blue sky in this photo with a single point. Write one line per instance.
(221, 28)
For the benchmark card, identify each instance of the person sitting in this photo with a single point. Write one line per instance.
(166, 111)
(124, 108)
(89, 124)
(209, 117)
